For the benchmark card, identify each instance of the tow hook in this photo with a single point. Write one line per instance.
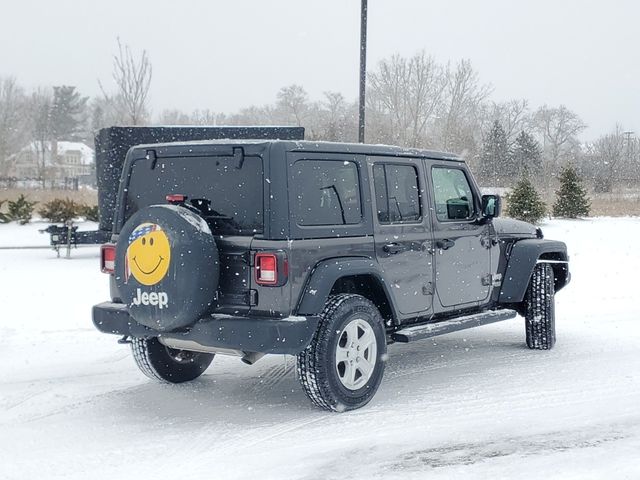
(124, 340)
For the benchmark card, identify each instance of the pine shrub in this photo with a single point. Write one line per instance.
(60, 210)
(21, 210)
(89, 212)
(571, 200)
(4, 217)
(524, 203)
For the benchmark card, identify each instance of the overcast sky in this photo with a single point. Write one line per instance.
(224, 55)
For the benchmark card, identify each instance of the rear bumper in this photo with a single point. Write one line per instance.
(288, 335)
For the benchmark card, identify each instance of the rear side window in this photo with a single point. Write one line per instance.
(234, 192)
(397, 193)
(327, 192)
(452, 194)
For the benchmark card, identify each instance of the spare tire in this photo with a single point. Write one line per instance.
(167, 267)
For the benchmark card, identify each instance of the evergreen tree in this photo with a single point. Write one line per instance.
(524, 203)
(68, 112)
(526, 155)
(571, 200)
(495, 161)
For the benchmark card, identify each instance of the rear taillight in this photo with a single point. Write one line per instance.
(266, 269)
(108, 258)
(272, 269)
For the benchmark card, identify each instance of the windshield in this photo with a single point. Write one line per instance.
(232, 193)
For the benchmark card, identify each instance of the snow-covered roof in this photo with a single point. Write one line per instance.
(86, 152)
(87, 156)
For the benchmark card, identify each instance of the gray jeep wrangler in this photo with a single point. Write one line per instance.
(325, 251)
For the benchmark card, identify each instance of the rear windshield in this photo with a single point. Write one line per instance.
(229, 194)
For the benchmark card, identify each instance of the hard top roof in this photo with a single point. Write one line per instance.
(322, 147)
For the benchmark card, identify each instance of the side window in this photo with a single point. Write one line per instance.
(452, 193)
(327, 192)
(397, 193)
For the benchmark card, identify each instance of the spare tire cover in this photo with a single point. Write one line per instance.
(167, 267)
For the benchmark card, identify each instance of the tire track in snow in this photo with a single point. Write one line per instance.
(384, 460)
(9, 404)
(207, 447)
(271, 432)
(274, 375)
(522, 446)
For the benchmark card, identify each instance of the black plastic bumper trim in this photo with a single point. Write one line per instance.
(288, 335)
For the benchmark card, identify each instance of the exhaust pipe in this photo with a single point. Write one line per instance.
(247, 357)
(251, 357)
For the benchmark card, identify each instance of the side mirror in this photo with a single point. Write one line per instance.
(491, 206)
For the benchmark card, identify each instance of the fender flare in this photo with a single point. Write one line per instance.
(521, 262)
(324, 275)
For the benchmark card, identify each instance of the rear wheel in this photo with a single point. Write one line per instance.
(343, 366)
(160, 362)
(539, 304)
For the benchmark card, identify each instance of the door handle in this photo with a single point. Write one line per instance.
(445, 244)
(394, 248)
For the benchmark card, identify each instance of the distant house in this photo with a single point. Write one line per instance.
(73, 160)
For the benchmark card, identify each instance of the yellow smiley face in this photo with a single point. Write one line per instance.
(148, 254)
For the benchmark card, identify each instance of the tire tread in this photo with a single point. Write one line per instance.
(141, 357)
(539, 309)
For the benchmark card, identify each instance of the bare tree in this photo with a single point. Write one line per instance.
(559, 128)
(106, 111)
(40, 106)
(133, 80)
(389, 95)
(333, 118)
(206, 117)
(513, 115)
(608, 157)
(460, 118)
(12, 121)
(254, 115)
(407, 91)
(632, 156)
(174, 117)
(293, 104)
(333, 115)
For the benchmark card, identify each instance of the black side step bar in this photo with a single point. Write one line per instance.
(418, 332)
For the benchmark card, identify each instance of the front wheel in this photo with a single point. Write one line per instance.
(540, 321)
(343, 366)
(160, 362)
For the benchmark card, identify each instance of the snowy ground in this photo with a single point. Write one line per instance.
(476, 403)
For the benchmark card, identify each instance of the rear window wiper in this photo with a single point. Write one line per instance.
(203, 205)
(335, 190)
(395, 199)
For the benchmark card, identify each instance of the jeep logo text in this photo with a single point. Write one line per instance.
(161, 299)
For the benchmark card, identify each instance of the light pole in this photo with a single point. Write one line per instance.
(363, 68)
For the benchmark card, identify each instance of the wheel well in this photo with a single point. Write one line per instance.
(560, 270)
(552, 256)
(369, 287)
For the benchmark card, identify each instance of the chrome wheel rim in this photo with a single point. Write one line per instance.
(356, 354)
